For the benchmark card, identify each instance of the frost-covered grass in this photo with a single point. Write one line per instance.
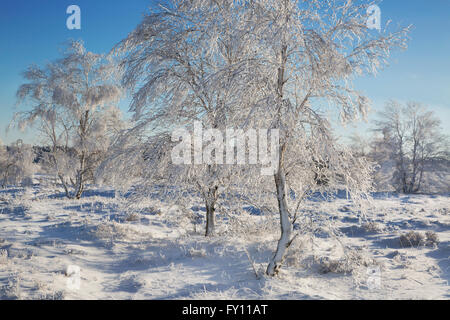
(154, 251)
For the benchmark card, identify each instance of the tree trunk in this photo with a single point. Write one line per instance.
(80, 177)
(66, 189)
(79, 191)
(286, 226)
(210, 223)
(280, 176)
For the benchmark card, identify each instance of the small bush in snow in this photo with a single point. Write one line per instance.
(373, 227)
(131, 217)
(412, 239)
(353, 259)
(415, 239)
(110, 231)
(327, 265)
(432, 238)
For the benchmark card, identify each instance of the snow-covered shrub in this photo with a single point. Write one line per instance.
(132, 216)
(373, 227)
(352, 260)
(114, 231)
(432, 238)
(412, 239)
(16, 164)
(328, 265)
(110, 230)
(416, 239)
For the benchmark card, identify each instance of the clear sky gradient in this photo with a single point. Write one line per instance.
(34, 31)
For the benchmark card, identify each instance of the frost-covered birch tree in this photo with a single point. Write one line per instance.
(73, 104)
(311, 52)
(186, 63)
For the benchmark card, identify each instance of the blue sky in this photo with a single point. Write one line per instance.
(33, 31)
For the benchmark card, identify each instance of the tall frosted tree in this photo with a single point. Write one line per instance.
(310, 53)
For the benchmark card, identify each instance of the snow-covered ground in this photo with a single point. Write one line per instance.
(157, 254)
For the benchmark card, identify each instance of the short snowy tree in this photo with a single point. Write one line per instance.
(413, 148)
(72, 101)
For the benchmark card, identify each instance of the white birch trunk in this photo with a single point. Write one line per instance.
(285, 223)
